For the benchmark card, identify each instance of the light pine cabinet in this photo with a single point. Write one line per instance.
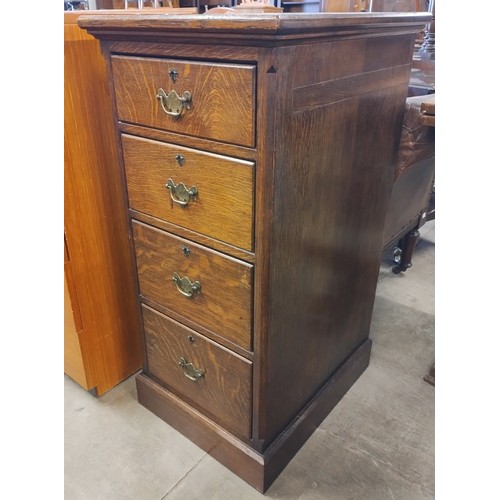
(102, 343)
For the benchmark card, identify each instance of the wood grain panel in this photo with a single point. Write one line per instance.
(223, 392)
(254, 30)
(191, 235)
(332, 91)
(223, 205)
(224, 304)
(95, 222)
(331, 192)
(211, 146)
(328, 95)
(223, 97)
(73, 359)
(190, 50)
(258, 469)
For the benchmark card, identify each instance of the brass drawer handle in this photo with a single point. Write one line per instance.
(179, 193)
(185, 286)
(172, 103)
(191, 372)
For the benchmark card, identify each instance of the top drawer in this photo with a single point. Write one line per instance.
(221, 105)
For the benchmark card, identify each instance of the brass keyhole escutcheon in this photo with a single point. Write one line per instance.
(180, 160)
(185, 251)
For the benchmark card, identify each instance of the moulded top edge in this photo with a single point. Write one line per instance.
(265, 23)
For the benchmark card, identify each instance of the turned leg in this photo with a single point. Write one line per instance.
(407, 248)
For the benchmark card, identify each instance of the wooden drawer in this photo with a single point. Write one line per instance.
(223, 303)
(176, 353)
(222, 207)
(222, 105)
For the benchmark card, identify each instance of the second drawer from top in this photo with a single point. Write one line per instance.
(204, 192)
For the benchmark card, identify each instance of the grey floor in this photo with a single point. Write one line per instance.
(377, 443)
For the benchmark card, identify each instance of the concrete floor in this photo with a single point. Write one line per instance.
(377, 443)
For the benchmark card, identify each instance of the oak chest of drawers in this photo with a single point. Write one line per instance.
(257, 157)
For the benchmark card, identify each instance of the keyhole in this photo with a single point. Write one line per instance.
(191, 339)
(180, 160)
(174, 74)
(185, 251)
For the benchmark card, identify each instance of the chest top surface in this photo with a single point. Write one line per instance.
(266, 27)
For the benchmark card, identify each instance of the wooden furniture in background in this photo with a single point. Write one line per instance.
(412, 199)
(120, 4)
(102, 344)
(257, 190)
(344, 5)
(413, 184)
(204, 5)
(323, 5)
(397, 6)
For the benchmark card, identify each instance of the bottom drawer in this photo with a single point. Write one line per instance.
(210, 377)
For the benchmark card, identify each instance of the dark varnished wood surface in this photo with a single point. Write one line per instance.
(189, 141)
(290, 25)
(223, 205)
(258, 469)
(224, 303)
(330, 96)
(221, 246)
(335, 157)
(223, 392)
(185, 49)
(217, 110)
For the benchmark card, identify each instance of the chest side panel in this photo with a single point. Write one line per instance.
(335, 149)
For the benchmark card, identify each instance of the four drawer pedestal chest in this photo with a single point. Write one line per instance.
(257, 155)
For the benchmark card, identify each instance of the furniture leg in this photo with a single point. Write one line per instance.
(408, 246)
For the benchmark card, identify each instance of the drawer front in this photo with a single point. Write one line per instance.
(220, 286)
(207, 375)
(221, 202)
(221, 107)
